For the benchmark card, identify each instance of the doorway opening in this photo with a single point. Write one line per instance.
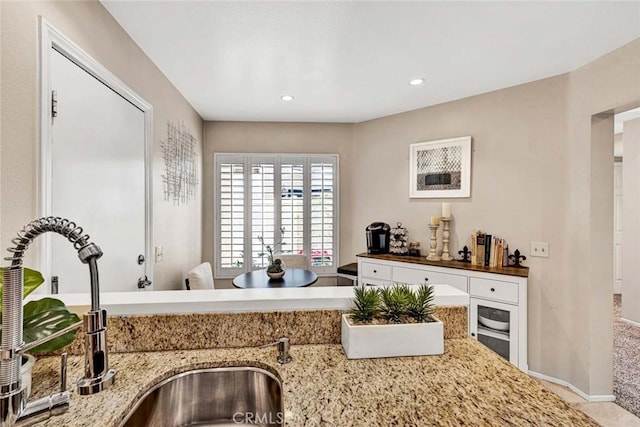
(626, 285)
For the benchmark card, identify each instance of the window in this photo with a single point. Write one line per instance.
(260, 195)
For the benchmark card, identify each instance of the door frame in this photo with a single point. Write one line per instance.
(50, 38)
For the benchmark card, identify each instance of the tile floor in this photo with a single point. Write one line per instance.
(607, 414)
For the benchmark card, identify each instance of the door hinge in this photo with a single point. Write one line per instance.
(54, 284)
(54, 103)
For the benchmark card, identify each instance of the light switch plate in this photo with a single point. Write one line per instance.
(540, 249)
(158, 253)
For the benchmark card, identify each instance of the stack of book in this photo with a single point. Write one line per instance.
(488, 250)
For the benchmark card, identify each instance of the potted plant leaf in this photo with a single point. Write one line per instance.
(392, 321)
(41, 319)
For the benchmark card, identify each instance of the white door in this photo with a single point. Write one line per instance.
(617, 228)
(97, 177)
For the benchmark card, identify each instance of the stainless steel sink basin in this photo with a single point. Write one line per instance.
(211, 397)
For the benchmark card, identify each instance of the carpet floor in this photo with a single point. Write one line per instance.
(626, 361)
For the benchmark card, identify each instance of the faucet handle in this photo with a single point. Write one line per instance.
(63, 372)
(283, 350)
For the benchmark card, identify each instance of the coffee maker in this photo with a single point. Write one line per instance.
(378, 238)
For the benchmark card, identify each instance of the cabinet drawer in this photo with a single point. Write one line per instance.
(493, 289)
(414, 276)
(376, 271)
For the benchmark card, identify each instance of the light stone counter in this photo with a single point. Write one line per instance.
(468, 385)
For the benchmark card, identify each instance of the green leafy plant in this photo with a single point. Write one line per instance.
(276, 266)
(44, 317)
(420, 305)
(399, 303)
(366, 304)
(395, 302)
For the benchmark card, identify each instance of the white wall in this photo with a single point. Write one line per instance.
(91, 27)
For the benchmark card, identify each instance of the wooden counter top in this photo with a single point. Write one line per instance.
(511, 271)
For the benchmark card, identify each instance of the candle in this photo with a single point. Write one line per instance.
(446, 210)
(435, 220)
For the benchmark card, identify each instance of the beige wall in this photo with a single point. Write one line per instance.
(608, 85)
(518, 186)
(92, 28)
(257, 137)
(541, 171)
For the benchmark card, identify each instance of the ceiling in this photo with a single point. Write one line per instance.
(352, 61)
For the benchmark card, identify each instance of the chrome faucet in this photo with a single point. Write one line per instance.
(14, 408)
(283, 350)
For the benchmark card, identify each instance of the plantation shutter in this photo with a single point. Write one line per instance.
(258, 194)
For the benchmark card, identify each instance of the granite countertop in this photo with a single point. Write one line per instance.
(468, 385)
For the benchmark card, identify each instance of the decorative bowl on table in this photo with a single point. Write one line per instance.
(276, 276)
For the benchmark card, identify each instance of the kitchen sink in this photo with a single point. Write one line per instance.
(229, 396)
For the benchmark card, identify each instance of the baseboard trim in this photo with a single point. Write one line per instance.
(576, 390)
(631, 322)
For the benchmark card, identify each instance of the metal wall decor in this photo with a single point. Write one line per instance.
(180, 156)
(440, 168)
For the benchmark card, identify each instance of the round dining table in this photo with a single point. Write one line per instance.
(293, 278)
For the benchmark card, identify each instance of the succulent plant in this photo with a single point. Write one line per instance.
(275, 266)
(366, 304)
(395, 302)
(420, 305)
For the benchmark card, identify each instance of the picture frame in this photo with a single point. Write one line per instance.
(440, 169)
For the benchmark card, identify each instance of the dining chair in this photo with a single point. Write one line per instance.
(294, 260)
(201, 277)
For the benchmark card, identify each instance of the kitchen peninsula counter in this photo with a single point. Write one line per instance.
(467, 385)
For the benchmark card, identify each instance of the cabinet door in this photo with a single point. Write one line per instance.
(495, 325)
(418, 276)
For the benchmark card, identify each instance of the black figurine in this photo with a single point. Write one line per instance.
(466, 255)
(516, 257)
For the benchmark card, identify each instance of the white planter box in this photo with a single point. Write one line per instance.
(409, 339)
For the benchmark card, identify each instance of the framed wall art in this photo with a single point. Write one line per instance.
(440, 169)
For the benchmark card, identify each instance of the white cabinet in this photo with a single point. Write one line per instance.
(498, 301)
(417, 276)
(498, 315)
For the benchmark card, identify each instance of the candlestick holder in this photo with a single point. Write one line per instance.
(445, 239)
(433, 244)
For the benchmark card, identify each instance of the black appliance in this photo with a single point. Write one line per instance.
(378, 238)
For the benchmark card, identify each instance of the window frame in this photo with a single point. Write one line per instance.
(247, 159)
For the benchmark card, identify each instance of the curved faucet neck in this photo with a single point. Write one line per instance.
(98, 376)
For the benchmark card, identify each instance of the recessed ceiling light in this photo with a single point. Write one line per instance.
(416, 82)
(287, 98)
